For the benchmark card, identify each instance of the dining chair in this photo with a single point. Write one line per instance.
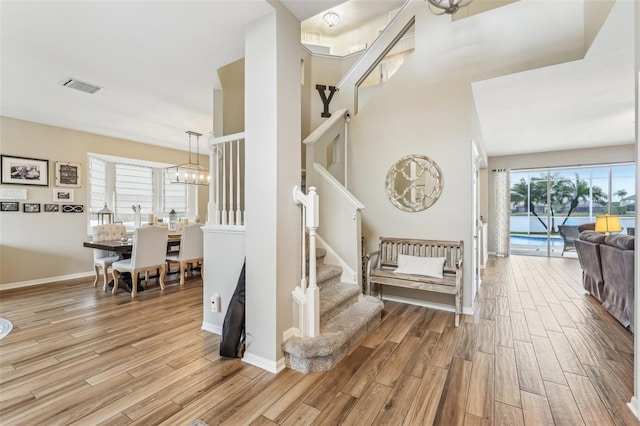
(103, 259)
(190, 253)
(148, 253)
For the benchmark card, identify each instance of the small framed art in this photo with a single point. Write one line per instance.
(51, 208)
(31, 207)
(72, 208)
(24, 171)
(9, 206)
(63, 195)
(68, 174)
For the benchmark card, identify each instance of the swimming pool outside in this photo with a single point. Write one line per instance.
(534, 240)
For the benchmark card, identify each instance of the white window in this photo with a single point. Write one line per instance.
(122, 183)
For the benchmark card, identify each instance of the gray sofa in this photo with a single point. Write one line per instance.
(608, 272)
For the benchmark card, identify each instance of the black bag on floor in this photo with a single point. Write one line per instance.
(232, 339)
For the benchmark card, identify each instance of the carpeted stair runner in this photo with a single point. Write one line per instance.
(346, 316)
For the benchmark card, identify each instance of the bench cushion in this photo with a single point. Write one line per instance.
(419, 265)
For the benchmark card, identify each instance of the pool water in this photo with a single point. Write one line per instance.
(534, 240)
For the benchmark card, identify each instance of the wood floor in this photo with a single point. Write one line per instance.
(538, 351)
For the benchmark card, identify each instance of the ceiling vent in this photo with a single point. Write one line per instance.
(81, 85)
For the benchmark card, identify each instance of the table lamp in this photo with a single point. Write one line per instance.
(607, 224)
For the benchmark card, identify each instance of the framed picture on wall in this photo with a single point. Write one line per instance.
(63, 195)
(68, 174)
(51, 208)
(9, 206)
(31, 207)
(72, 208)
(24, 171)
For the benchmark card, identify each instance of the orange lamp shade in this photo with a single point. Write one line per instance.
(608, 223)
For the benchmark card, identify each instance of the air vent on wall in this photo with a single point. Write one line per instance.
(81, 85)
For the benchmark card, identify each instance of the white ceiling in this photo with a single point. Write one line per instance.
(576, 104)
(157, 62)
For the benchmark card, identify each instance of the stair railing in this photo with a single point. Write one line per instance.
(340, 212)
(226, 189)
(307, 297)
(369, 60)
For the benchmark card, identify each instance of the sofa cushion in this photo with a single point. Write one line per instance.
(623, 242)
(592, 237)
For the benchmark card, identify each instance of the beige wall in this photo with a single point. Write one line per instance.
(575, 157)
(40, 247)
(232, 81)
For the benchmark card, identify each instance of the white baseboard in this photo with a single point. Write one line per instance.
(425, 304)
(212, 328)
(633, 406)
(291, 332)
(265, 364)
(9, 286)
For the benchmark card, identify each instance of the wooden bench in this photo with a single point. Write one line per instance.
(382, 263)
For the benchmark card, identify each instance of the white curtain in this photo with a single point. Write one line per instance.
(502, 210)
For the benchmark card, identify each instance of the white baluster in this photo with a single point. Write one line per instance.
(238, 208)
(232, 220)
(224, 184)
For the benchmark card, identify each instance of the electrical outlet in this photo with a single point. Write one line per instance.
(215, 303)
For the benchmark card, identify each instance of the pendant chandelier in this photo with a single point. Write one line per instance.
(440, 7)
(190, 173)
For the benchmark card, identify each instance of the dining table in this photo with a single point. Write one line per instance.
(123, 246)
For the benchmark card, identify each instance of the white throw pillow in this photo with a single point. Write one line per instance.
(418, 265)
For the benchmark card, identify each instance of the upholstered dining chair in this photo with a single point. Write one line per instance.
(191, 248)
(149, 250)
(103, 259)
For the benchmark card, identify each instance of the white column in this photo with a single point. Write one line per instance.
(273, 167)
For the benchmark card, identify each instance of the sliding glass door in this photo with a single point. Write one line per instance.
(547, 205)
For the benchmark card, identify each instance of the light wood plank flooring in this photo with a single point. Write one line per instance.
(538, 351)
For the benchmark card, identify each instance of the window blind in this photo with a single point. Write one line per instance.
(175, 196)
(133, 186)
(98, 183)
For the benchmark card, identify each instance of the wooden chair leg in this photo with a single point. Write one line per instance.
(115, 274)
(106, 277)
(182, 264)
(134, 286)
(163, 272)
(97, 268)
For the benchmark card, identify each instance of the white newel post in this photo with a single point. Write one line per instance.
(307, 298)
(313, 293)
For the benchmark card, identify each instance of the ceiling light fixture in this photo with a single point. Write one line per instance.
(331, 19)
(440, 7)
(190, 173)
